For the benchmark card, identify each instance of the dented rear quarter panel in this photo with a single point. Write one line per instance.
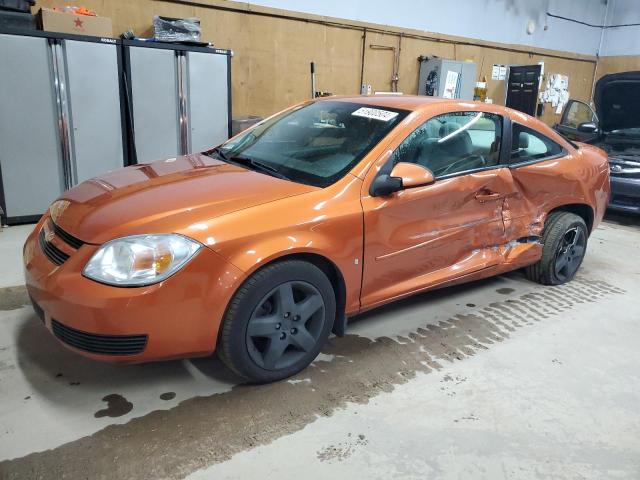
(578, 177)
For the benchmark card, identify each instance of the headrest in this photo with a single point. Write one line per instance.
(448, 128)
(523, 140)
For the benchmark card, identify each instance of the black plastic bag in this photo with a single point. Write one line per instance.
(166, 29)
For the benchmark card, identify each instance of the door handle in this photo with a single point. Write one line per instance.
(483, 197)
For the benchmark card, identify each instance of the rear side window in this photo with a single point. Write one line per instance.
(527, 145)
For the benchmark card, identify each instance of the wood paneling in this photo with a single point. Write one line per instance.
(273, 49)
(623, 63)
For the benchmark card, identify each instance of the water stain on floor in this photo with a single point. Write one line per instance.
(505, 290)
(117, 406)
(205, 430)
(12, 298)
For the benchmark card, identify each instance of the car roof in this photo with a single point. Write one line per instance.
(420, 103)
(403, 102)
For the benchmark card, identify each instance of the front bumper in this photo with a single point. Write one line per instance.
(178, 317)
(625, 194)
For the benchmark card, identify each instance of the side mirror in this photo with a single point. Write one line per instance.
(412, 174)
(588, 127)
(404, 175)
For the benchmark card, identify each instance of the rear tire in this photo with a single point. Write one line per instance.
(277, 322)
(564, 244)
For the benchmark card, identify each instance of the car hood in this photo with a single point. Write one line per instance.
(617, 101)
(164, 197)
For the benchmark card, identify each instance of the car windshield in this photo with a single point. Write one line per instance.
(315, 144)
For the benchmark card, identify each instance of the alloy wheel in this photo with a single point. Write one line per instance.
(570, 253)
(285, 325)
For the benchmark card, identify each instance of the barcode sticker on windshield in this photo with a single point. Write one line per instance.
(375, 114)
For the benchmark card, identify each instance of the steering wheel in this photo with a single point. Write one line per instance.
(457, 163)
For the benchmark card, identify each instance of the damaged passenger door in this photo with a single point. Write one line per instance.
(422, 236)
(532, 161)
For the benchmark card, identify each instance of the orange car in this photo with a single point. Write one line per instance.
(261, 247)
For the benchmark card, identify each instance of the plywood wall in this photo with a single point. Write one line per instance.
(623, 63)
(273, 49)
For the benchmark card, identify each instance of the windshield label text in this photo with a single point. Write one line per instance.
(375, 114)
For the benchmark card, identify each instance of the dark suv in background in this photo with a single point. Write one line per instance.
(614, 127)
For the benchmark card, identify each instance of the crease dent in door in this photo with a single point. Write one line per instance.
(432, 234)
(523, 217)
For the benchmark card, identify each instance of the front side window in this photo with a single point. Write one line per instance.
(453, 143)
(316, 144)
(527, 145)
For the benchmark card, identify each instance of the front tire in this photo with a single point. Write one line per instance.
(564, 245)
(277, 322)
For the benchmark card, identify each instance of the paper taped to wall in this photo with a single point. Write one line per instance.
(556, 92)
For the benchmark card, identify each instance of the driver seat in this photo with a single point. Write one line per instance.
(438, 154)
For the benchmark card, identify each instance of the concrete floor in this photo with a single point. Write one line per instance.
(497, 379)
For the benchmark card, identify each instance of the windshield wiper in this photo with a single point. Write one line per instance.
(250, 162)
(257, 165)
(218, 151)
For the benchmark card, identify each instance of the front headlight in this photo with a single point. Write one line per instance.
(140, 260)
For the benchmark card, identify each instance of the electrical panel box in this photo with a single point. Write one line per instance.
(440, 77)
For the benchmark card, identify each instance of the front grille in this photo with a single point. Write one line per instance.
(67, 237)
(52, 252)
(102, 344)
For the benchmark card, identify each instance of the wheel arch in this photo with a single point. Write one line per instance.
(329, 268)
(583, 210)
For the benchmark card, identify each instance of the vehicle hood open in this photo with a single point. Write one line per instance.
(164, 197)
(617, 101)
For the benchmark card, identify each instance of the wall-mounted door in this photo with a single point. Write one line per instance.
(522, 88)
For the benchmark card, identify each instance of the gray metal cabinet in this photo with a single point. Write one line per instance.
(30, 166)
(209, 97)
(153, 84)
(433, 77)
(94, 108)
(60, 117)
(73, 107)
(180, 99)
